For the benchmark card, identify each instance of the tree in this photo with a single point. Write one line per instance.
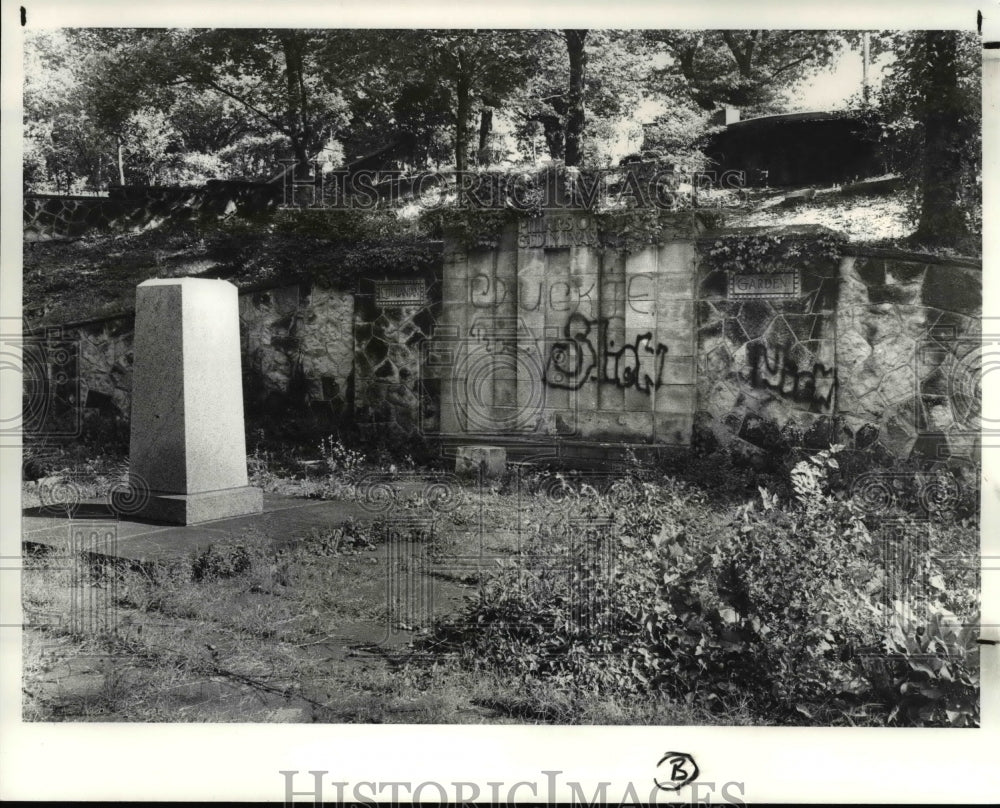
(577, 79)
(62, 146)
(742, 68)
(575, 117)
(280, 78)
(477, 71)
(930, 103)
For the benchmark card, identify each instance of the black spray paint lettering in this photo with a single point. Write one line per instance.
(571, 363)
(814, 387)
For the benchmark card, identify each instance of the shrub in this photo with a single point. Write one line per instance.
(225, 561)
(779, 603)
(929, 675)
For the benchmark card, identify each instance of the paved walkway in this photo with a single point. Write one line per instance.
(93, 527)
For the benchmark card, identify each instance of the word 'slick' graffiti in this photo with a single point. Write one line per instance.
(574, 361)
(815, 387)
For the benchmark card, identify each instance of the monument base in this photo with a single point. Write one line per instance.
(190, 509)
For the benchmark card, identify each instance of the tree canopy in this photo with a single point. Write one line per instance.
(178, 106)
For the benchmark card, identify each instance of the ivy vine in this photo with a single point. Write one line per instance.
(767, 253)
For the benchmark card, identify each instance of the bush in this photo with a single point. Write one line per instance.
(225, 561)
(776, 603)
(930, 673)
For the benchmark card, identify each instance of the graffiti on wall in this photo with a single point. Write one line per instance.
(775, 370)
(563, 295)
(588, 353)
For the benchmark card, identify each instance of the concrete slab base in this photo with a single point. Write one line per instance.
(284, 521)
(191, 509)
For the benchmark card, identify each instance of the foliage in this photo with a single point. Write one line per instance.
(62, 141)
(742, 68)
(224, 561)
(810, 477)
(672, 133)
(636, 229)
(616, 67)
(930, 671)
(471, 227)
(144, 103)
(425, 80)
(349, 536)
(332, 246)
(928, 112)
(770, 252)
(778, 603)
(338, 458)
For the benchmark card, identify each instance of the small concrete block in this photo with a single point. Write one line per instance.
(491, 459)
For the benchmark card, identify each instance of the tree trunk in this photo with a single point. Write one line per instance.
(301, 157)
(575, 41)
(463, 99)
(296, 102)
(942, 220)
(121, 163)
(555, 138)
(485, 128)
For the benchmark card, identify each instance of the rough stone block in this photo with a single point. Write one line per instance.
(953, 289)
(491, 459)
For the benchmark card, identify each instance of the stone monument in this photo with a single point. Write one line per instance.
(188, 447)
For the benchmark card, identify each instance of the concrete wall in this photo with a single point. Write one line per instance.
(550, 337)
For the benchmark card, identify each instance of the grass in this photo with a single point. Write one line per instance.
(250, 632)
(333, 628)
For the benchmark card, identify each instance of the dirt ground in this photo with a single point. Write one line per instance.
(326, 630)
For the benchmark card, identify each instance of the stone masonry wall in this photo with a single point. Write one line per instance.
(879, 350)
(297, 349)
(767, 369)
(909, 353)
(393, 317)
(551, 339)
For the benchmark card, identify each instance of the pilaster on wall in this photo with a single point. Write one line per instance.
(394, 316)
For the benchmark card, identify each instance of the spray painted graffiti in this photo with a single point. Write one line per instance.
(813, 387)
(637, 292)
(576, 360)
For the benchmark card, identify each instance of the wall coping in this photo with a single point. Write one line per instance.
(862, 250)
(794, 231)
(848, 248)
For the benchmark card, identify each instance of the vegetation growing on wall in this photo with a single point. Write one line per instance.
(770, 252)
(329, 246)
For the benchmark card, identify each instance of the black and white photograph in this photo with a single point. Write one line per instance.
(528, 377)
